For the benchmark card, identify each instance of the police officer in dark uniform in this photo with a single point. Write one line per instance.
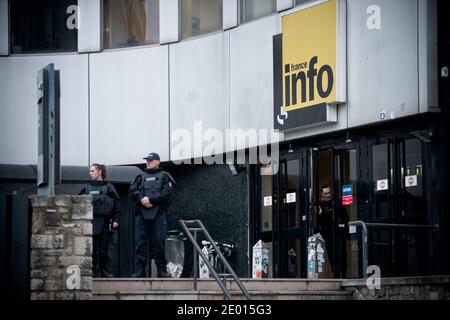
(151, 192)
(106, 211)
(334, 230)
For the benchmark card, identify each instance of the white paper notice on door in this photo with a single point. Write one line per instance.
(382, 184)
(290, 197)
(268, 201)
(410, 181)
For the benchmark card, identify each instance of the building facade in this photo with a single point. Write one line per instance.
(349, 93)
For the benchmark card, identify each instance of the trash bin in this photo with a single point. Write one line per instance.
(175, 253)
(316, 257)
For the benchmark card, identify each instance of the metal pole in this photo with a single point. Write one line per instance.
(205, 259)
(365, 249)
(402, 225)
(48, 166)
(195, 262)
(364, 226)
(364, 246)
(225, 262)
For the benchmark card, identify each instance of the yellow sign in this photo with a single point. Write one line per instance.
(309, 56)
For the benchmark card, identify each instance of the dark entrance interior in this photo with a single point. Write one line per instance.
(392, 176)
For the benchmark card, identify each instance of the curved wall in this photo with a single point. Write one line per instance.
(118, 105)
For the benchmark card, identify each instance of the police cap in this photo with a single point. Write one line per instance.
(152, 156)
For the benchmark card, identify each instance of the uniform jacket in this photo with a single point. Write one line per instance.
(157, 185)
(111, 193)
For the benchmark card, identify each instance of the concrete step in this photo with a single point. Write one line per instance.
(149, 284)
(216, 295)
(208, 289)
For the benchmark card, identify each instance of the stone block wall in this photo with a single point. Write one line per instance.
(61, 248)
(404, 288)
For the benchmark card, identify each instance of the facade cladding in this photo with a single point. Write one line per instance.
(357, 90)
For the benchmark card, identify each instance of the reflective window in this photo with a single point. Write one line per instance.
(299, 2)
(266, 202)
(291, 205)
(42, 26)
(129, 23)
(253, 9)
(412, 178)
(381, 180)
(200, 17)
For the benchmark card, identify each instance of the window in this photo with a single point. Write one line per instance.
(382, 180)
(200, 17)
(41, 26)
(266, 201)
(299, 2)
(253, 9)
(129, 23)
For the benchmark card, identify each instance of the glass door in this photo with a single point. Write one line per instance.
(398, 198)
(335, 198)
(290, 219)
(283, 217)
(346, 186)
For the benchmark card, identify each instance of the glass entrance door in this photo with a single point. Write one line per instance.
(283, 217)
(290, 211)
(335, 198)
(290, 219)
(398, 198)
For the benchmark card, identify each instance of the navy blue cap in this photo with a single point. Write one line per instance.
(152, 156)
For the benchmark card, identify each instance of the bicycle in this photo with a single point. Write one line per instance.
(213, 258)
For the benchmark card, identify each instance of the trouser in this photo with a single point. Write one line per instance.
(101, 243)
(154, 231)
(337, 254)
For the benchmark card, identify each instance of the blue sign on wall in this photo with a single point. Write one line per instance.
(347, 195)
(347, 189)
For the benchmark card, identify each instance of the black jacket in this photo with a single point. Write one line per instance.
(111, 193)
(160, 198)
(325, 220)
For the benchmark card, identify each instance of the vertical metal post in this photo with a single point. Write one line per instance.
(48, 166)
(364, 244)
(195, 262)
(365, 249)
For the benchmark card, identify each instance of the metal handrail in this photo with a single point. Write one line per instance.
(193, 239)
(364, 226)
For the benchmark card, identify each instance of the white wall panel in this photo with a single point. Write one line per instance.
(199, 85)
(90, 31)
(251, 75)
(428, 56)
(230, 14)
(169, 27)
(129, 113)
(382, 62)
(18, 108)
(284, 4)
(4, 28)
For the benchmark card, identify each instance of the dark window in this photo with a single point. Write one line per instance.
(42, 26)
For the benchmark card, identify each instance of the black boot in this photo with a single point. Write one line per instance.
(162, 272)
(105, 274)
(140, 272)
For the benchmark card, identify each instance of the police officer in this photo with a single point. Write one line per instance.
(106, 209)
(151, 192)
